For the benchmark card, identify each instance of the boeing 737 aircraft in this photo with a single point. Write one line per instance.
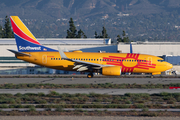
(30, 50)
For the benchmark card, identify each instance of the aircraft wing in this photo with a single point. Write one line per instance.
(81, 65)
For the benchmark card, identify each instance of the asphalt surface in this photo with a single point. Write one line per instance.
(74, 80)
(84, 118)
(92, 109)
(87, 91)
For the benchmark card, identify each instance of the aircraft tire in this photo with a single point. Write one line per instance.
(90, 75)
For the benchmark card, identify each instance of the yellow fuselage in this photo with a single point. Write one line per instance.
(134, 63)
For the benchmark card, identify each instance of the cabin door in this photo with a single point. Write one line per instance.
(44, 59)
(149, 63)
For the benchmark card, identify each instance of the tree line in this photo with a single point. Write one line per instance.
(72, 32)
(6, 32)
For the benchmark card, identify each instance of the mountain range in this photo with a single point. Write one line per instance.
(47, 9)
(141, 19)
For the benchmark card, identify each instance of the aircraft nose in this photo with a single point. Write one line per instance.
(169, 66)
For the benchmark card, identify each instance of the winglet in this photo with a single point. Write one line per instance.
(131, 51)
(62, 53)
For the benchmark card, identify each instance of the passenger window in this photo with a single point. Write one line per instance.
(54, 58)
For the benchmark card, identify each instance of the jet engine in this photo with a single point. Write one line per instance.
(111, 70)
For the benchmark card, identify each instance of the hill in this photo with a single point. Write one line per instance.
(155, 19)
(67, 8)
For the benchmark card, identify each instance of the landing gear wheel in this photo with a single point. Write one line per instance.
(90, 75)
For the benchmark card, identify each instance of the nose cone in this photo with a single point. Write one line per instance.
(169, 66)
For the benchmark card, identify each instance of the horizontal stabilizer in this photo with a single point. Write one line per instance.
(18, 53)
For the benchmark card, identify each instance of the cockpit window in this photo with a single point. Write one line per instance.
(160, 60)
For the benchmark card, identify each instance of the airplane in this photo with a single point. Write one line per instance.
(110, 64)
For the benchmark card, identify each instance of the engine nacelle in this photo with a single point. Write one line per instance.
(111, 70)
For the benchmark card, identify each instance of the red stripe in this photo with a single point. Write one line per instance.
(146, 66)
(21, 34)
(174, 87)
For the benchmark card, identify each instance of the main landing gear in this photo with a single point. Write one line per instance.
(152, 76)
(90, 75)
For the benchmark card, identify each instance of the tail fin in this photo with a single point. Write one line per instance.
(25, 40)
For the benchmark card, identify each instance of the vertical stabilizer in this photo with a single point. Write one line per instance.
(25, 40)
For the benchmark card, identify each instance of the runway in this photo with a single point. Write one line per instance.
(87, 91)
(74, 80)
(61, 117)
(92, 109)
